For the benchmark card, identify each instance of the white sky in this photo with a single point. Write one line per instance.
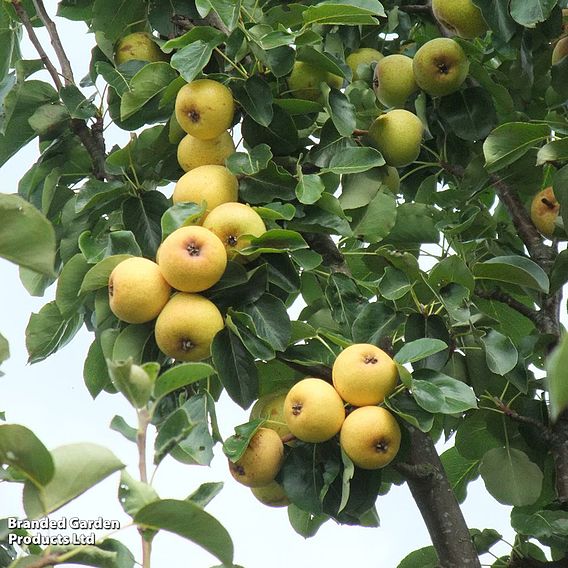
(51, 399)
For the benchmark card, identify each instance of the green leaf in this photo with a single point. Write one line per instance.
(118, 424)
(275, 240)
(251, 163)
(180, 376)
(306, 524)
(408, 409)
(281, 135)
(98, 276)
(27, 238)
(95, 192)
(556, 366)
(341, 111)
(235, 446)
(375, 321)
(131, 341)
(500, 352)
(255, 96)
(271, 183)
(451, 269)
(419, 349)
(354, 160)
(394, 284)
(510, 142)
(529, 13)
(132, 381)
(4, 349)
(190, 60)
(69, 283)
(517, 270)
(344, 299)
(114, 20)
(206, 33)
(497, 16)
(133, 494)
(188, 520)
(556, 151)
(21, 448)
(95, 370)
(479, 432)
(460, 471)
(354, 13)
(205, 493)
(559, 272)
(415, 223)
(309, 188)
(227, 10)
(78, 467)
(379, 217)
(271, 320)
(76, 104)
(422, 558)
(510, 477)
(181, 215)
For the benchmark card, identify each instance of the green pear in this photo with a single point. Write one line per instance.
(362, 56)
(560, 50)
(440, 66)
(397, 134)
(305, 79)
(390, 178)
(271, 495)
(461, 17)
(139, 46)
(394, 80)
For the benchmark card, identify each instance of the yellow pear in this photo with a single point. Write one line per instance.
(394, 80)
(137, 290)
(560, 50)
(271, 495)
(231, 222)
(204, 108)
(192, 259)
(139, 46)
(313, 410)
(440, 66)
(193, 152)
(212, 184)
(261, 461)
(186, 327)
(305, 79)
(461, 17)
(364, 375)
(544, 211)
(362, 56)
(370, 436)
(271, 408)
(397, 134)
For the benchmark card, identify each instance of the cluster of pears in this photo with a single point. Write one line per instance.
(314, 411)
(193, 258)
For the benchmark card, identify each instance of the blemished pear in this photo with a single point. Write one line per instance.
(440, 66)
(192, 259)
(271, 408)
(397, 134)
(193, 152)
(362, 56)
(461, 17)
(137, 290)
(363, 374)
(305, 79)
(313, 410)
(186, 327)
(204, 108)
(394, 80)
(231, 222)
(139, 46)
(370, 436)
(271, 495)
(544, 211)
(213, 184)
(261, 461)
(560, 50)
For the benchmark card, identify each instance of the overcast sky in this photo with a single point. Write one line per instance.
(51, 399)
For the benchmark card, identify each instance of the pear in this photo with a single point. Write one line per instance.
(305, 79)
(186, 327)
(313, 410)
(193, 152)
(397, 134)
(394, 80)
(461, 17)
(192, 259)
(440, 66)
(560, 50)
(364, 375)
(370, 436)
(231, 222)
(271, 495)
(213, 184)
(544, 211)
(390, 178)
(137, 290)
(271, 408)
(362, 56)
(204, 108)
(139, 46)
(261, 461)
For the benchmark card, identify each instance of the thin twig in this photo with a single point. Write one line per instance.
(504, 298)
(543, 429)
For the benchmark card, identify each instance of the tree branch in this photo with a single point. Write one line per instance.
(518, 562)
(510, 301)
(44, 561)
(544, 431)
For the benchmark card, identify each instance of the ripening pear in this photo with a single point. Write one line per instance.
(139, 46)
(313, 410)
(397, 135)
(394, 80)
(213, 184)
(560, 50)
(370, 436)
(204, 108)
(261, 461)
(544, 211)
(192, 259)
(271, 495)
(461, 17)
(440, 66)
(186, 327)
(362, 56)
(363, 374)
(137, 290)
(305, 79)
(271, 408)
(231, 222)
(193, 152)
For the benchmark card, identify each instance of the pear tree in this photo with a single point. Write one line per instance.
(347, 215)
